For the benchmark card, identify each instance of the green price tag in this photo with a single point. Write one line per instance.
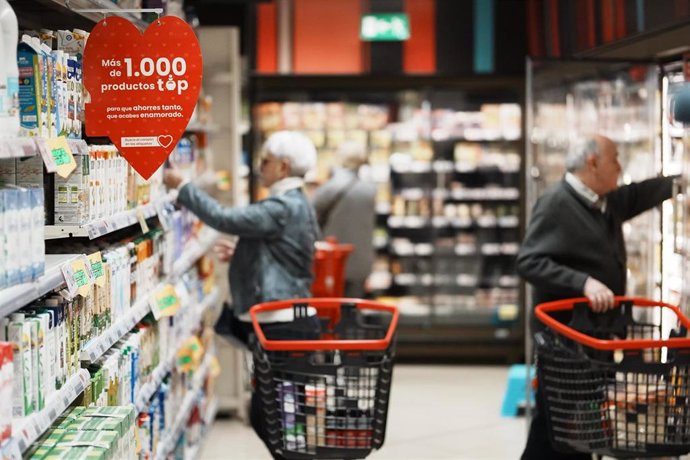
(80, 278)
(97, 269)
(60, 156)
(166, 302)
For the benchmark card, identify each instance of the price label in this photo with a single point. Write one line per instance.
(190, 354)
(128, 75)
(80, 277)
(165, 302)
(62, 156)
(96, 263)
(142, 221)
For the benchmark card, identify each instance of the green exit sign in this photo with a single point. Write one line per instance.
(385, 27)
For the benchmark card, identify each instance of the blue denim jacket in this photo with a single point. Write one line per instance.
(274, 254)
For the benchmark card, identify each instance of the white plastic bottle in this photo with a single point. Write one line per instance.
(9, 72)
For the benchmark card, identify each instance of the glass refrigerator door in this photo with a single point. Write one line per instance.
(675, 229)
(619, 100)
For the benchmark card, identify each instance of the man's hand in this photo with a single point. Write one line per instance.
(224, 249)
(600, 296)
(172, 178)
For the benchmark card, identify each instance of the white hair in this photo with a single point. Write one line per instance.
(352, 155)
(295, 147)
(578, 151)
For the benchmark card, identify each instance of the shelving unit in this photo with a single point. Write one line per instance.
(167, 444)
(209, 416)
(28, 429)
(15, 297)
(165, 366)
(109, 224)
(106, 232)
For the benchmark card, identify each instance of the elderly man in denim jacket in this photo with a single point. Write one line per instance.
(274, 254)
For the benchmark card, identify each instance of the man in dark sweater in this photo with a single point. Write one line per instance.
(574, 245)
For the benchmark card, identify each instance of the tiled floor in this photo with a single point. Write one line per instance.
(436, 412)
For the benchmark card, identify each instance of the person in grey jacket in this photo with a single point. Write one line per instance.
(574, 245)
(274, 253)
(345, 206)
(273, 256)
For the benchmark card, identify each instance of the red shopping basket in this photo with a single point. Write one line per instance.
(616, 384)
(330, 259)
(323, 380)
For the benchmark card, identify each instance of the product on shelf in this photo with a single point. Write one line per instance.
(9, 72)
(6, 390)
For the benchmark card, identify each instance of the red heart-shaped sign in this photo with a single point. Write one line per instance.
(143, 87)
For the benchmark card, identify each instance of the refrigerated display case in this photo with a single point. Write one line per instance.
(620, 100)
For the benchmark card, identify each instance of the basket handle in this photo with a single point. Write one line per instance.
(542, 310)
(329, 307)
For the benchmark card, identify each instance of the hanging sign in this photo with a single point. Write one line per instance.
(143, 87)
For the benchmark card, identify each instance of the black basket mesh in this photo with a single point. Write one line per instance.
(325, 404)
(632, 404)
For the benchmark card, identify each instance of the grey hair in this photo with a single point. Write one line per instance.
(352, 155)
(295, 147)
(578, 151)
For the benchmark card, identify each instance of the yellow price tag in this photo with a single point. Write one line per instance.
(62, 156)
(165, 302)
(80, 277)
(97, 268)
(189, 355)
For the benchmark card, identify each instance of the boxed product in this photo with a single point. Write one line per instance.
(6, 384)
(106, 440)
(69, 452)
(72, 194)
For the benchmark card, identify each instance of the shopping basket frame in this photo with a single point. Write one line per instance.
(325, 395)
(541, 311)
(606, 388)
(332, 307)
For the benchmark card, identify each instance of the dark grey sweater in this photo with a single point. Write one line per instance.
(568, 240)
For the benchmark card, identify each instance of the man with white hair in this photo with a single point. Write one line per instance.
(346, 209)
(574, 245)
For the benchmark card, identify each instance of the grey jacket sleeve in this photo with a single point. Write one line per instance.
(259, 220)
(543, 239)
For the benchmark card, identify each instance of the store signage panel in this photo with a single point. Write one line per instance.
(142, 87)
(385, 27)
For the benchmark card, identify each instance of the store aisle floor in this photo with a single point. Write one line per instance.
(436, 412)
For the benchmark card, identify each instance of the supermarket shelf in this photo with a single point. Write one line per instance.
(167, 444)
(146, 392)
(197, 249)
(96, 347)
(483, 194)
(100, 227)
(486, 168)
(210, 415)
(15, 297)
(18, 147)
(164, 367)
(407, 221)
(28, 429)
